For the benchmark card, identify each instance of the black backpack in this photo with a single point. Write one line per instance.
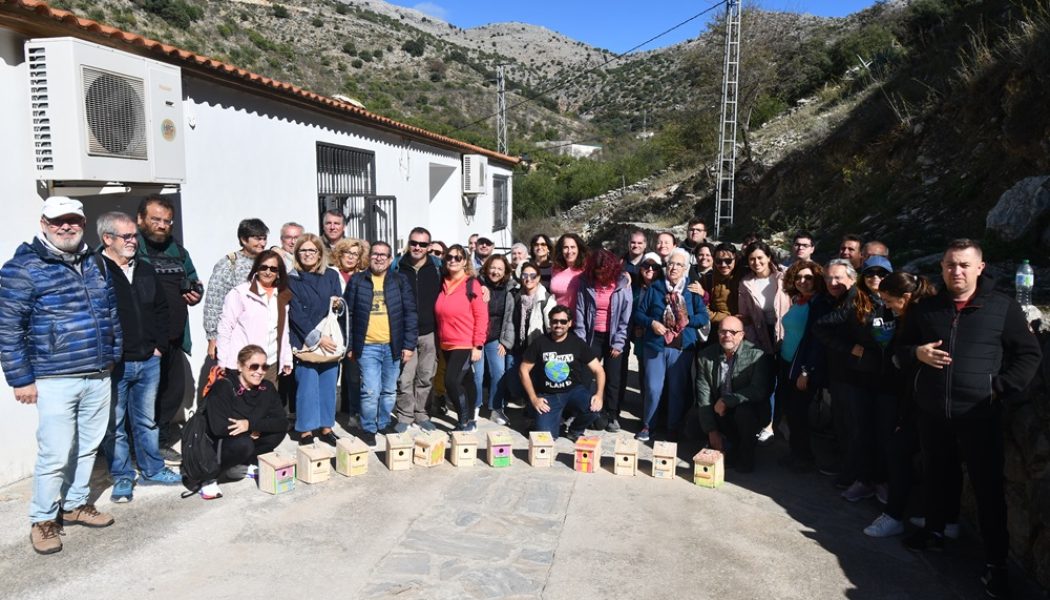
(200, 457)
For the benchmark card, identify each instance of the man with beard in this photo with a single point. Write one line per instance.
(182, 288)
(60, 337)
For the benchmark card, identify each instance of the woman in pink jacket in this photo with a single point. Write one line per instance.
(256, 312)
(462, 320)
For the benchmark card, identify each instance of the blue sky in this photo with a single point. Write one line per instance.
(616, 25)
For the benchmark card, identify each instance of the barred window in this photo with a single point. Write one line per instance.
(500, 203)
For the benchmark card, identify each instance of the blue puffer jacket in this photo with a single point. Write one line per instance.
(312, 295)
(53, 319)
(651, 308)
(400, 309)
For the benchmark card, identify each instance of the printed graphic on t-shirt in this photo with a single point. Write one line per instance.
(556, 370)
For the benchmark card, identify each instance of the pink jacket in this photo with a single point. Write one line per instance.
(749, 302)
(245, 319)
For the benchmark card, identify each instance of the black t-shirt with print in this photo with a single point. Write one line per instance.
(559, 365)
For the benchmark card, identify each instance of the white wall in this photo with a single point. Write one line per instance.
(246, 156)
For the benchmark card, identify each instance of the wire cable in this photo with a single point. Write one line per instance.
(558, 86)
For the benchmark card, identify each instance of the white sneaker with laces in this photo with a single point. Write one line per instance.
(884, 526)
(211, 491)
(253, 472)
(764, 436)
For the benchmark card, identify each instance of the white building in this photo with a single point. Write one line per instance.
(573, 149)
(229, 145)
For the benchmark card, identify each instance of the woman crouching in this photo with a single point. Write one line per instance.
(245, 417)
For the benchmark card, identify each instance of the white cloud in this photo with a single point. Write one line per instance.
(432, 9)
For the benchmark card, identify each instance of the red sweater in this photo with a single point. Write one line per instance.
(461, 323)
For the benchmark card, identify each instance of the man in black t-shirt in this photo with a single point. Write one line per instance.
(564, 379)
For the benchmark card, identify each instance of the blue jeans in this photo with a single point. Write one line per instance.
(578, 399)
(73, 415)
(496, 366)
(315, 396)
(508, 386)
(379, 373)
(673, 366)
(135, 382)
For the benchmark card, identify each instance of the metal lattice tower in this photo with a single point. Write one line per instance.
(501, 111)
(726, 183)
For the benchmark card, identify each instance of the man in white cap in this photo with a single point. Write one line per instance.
(59, 339)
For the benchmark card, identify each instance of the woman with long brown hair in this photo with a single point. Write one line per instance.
(570, 256)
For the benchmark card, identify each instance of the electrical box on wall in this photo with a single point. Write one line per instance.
(100, 114)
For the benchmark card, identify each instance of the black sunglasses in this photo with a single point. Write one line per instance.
(269, 268)
(559, 321)
(436, 252)
(725, 261)
(258, 367)
(416, 244)
(455, 258)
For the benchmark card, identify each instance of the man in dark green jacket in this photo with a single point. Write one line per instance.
(733, 383)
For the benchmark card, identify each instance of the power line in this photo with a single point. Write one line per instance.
(596, 67)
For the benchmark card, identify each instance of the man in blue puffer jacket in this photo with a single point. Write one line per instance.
(59, 339)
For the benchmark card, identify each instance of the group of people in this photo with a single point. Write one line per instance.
(866, 366)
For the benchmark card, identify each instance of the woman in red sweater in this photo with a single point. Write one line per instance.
(462, 320)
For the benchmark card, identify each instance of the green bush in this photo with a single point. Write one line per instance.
(765, 108)
(415, 47)
(317, 22)
(350, 49)
(177, 13)
(341, 8)
(872, 43)
(357, 63)
(365, 55)
(377, 54)
(280, 11)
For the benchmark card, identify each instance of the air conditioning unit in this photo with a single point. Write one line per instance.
(100, 114)
(475, 174)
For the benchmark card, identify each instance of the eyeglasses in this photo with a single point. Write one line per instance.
(485, 244)
(879, 274)
(307, 251)
(160, 221)
(538, 244)
(725, 261)
(802, 245)
(71, 220)
(271, 269)
(729, 332)
(415, 244)
(289, 237)
(253, 367)
(559, 321)
(455, 258)
(127, 237)
(436, 252)
(380, 255)
(354, 253)
(803, 278)
(650, 267)
(529, 276)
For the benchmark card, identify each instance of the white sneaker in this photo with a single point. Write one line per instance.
(211, 491)
(253, 472)
(951, 530)
(765, 435)
(884, 526)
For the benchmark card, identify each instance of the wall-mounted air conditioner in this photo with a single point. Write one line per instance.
(100, 114)
(475, 174)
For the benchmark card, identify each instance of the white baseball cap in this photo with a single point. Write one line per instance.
(57, 206)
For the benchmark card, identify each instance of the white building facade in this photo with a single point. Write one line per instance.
(252, 147)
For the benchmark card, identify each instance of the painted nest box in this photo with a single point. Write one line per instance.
(398, 451)
(541, 449)
(588, 453)
(665, 459)
(314, 464)
(499, 448)
(430, 449)
(626, 457)
(709, 468)
(464, 449)
(351, 457)
(276, 473)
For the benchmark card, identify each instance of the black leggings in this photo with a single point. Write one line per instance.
(242, 449)
(458, 366)
(603, 350)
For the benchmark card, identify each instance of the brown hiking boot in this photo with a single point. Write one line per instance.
(45, 537)
(86, 515)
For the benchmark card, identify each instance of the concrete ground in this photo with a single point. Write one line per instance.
(480, 532)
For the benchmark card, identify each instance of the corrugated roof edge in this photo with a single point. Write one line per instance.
(40, 9)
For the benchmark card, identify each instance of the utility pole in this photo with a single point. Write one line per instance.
(501, 112)
(725, 192)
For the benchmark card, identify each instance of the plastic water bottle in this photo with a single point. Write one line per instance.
(1024, 281)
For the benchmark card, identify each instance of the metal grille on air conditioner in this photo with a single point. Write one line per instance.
(40, 102)
(116, 117)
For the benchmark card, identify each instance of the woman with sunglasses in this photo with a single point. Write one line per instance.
(763, 305)
(899, 292)
(525, 317)
(245, 416)
(313, 286)
(650, 269)
(541, 245)
(256, 312)
(569, 258)
(801, 357)
(497, 276)
(462, 325)
(671, 315)
(603, 313)
(862, 331)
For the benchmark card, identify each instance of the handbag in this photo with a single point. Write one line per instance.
(311, 351)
